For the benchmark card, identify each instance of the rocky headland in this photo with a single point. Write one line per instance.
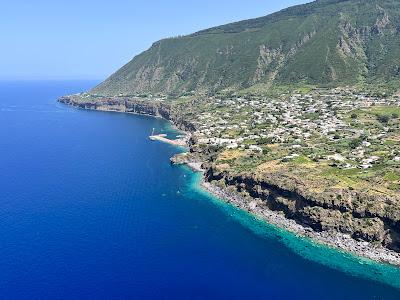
(362, 223)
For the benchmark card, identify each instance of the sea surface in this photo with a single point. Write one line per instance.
(90, 208)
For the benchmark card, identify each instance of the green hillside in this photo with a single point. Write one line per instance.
(325, 42)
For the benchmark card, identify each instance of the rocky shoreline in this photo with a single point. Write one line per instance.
(254, 206)
(330, 238)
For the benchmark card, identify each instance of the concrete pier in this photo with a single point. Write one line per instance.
(162, 138)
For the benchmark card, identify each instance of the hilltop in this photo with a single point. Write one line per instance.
(323, 43)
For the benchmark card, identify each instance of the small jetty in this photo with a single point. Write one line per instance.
(163, 138)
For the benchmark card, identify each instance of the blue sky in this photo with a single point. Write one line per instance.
(51, 39)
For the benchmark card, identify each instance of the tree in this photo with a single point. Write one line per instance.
(355, 143)
(384, 119)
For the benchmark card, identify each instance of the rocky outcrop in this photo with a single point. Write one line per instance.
(363, 216)
(132, 105)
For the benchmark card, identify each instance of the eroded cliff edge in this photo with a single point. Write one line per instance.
(363, 216)
(373, 218)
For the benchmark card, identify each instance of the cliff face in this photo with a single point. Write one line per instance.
(367, 217)
(130, 105)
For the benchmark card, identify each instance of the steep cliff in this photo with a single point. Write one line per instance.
(131, 105)
(373, 218)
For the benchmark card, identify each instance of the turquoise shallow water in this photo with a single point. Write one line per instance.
(309, 249)
(90, 208)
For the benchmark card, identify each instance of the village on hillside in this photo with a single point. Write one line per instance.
(339, 129)
(338, 136)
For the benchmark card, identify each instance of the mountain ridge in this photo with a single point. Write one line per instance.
(325, 42)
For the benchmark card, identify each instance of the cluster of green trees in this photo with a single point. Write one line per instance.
(384, 119)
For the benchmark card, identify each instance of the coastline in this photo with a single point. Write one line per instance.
(334, 239)
(337, 240)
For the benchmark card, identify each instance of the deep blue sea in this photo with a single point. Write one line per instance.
(90, 208)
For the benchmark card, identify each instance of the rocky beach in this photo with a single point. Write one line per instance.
(259, 209)
(330, 238)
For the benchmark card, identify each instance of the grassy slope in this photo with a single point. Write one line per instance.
(301, 44)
